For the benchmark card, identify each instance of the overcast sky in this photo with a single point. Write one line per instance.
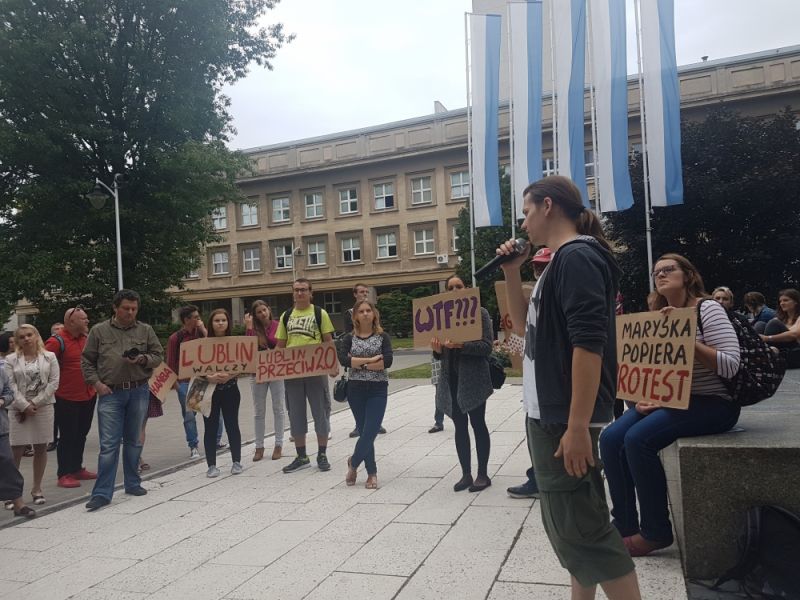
(358, 63)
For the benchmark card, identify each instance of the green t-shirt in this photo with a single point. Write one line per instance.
(303, 327)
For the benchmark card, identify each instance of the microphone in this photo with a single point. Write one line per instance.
(520, 244)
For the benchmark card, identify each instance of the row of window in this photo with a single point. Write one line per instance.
(383, 198)
(316, 252)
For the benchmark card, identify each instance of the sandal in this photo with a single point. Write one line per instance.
(372, 482)
(38, 499)
(25, 511)
(352, 474)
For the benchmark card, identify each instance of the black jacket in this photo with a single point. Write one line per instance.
(576, 309)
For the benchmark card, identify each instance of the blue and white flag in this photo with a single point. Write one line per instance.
(661, 102)
(525, 22)
(612, 178)
(569, 45)
(485, 105)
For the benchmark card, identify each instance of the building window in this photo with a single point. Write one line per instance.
(220, 262)
(351, 250)
(588, 158)
(280, 210)
(284, 257)
(384, 195)
(455, 238)
(331, 303)
(548, 167)
(348, 201)
(219, 218)
(249, 214)
(421, 190)
(314, 208)
(192, 275)
(387, 245)
(316, 253)
(423, 241)
(251, 260)
(459, 185)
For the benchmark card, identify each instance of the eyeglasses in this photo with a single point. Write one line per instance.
(71, 311)
(665, 270)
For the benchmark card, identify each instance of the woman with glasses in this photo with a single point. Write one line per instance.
(463, 388)
(630, 445)
(33, 375)
(259, 322)
(783, 331)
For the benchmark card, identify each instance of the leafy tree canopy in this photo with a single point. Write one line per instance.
(90, 88)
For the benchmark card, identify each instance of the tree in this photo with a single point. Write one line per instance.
(91, 88)
(486, 240)
(740, 218)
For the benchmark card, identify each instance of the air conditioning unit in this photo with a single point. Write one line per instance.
(441, 259)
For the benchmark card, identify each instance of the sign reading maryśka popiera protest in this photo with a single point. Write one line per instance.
(236, 354)
(161, 381)
(296, 362)
(655, 356)
(453, 315)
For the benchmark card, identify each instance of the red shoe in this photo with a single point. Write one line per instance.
(83, 475)
(68, 481)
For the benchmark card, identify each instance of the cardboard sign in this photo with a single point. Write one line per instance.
(453, 315)
(512, 343)
(199, 394)
(296, 362)
(655, 355)
(234, 354)
(161, 381)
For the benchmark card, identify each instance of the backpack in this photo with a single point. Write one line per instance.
(760, 369)
(317, 317)
(769, 545)
(61, 346)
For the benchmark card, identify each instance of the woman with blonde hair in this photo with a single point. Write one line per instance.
(260, 323)
(367, 352)
(33, 376)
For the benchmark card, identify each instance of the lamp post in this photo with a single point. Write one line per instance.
(97, 198)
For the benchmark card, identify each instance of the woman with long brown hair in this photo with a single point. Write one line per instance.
(259, 322)
(783, 331)
(33, 375)
(631, 444)
(225, 400)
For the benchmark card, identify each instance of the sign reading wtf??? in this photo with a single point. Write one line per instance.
(453, 315)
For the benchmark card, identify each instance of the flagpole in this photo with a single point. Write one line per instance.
(592, 109)
(646, 171)
(469, 151)
(513, 195)
(553, 90)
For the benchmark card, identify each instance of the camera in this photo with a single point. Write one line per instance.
(131, 353)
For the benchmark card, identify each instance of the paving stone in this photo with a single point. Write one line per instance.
(405, 490)
(532, 559)
(496, 494)
(270, 543)
(354, 585)
(397, 550)
(440, 504)
(6, 586)
(503, 590)
(96, 593)
(360, 523)
(207, 582)
(432, 466)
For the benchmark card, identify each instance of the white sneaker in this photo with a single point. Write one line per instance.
(236, 468)
(212, 472)
(194, 453)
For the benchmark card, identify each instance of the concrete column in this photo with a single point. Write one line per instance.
(237, 310)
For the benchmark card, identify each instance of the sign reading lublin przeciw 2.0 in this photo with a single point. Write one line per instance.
(655, 355)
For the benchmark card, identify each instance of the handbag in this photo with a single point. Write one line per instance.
(496, 372)
(340, 388)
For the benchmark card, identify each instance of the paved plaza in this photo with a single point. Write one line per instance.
(265, 534)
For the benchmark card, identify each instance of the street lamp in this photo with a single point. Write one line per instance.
(97, 198)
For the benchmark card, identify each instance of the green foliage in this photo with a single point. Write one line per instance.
(740, 219)
(89, 89)
(487, 239)
(395, 309)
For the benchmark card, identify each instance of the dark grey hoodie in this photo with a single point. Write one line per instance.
(576, 309)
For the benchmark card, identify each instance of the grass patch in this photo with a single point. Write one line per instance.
(418, 372)
(402, 343)
(513, 372)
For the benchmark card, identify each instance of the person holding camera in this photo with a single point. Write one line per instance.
(117, 361)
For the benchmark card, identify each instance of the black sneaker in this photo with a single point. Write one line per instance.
(136, 491)
(300, 462)
(354, 433)
(322, 462)
(529, 489)
(97, 502)
(436, 428)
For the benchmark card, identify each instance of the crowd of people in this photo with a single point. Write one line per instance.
(51, 390)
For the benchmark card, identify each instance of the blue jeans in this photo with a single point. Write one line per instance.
(367, 400)
(120, 416)
(629, 449)
(189, 416)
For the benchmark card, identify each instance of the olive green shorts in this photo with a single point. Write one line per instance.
(574, 510)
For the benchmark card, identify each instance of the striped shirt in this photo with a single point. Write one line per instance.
(719, 334)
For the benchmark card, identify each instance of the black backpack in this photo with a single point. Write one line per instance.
(761, 369)
(769, 547)
(317, 317)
